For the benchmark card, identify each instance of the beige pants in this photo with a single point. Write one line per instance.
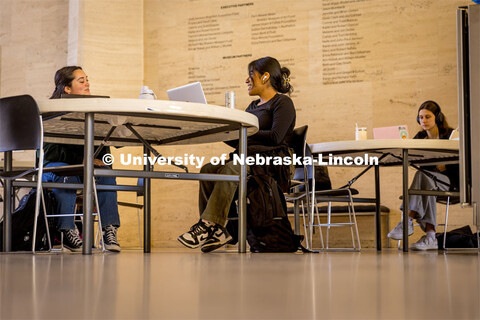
(215, 197)
(426, 206)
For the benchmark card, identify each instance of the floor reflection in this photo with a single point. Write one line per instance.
(188, 284)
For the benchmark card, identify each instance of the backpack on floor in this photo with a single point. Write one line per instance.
(269, 229)
(459, 238)
(23, 219)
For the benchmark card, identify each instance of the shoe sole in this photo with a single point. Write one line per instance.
(393, 237)
(423, 249)
(188, 245)
(113, 248)
(73, 249)
(209, 248)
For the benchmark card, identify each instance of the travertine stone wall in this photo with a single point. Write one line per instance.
(109, 44)
(33, 44)
(106, 37)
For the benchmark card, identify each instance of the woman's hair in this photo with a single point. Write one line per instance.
(279, 77)
(434, 108)
(63, 78)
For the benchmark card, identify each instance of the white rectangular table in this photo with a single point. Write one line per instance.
(395, 153)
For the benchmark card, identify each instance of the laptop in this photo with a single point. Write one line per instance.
(192, 92)
(393, 132)
(455, 135)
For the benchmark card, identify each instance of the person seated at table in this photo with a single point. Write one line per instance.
(423, 208)
(276, 119)
(73, 80)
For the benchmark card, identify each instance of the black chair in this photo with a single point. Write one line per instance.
(21, 129)
(303, 192)
(299, 186)
(447, 201)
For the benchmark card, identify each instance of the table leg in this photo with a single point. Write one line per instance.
(378, 212)
(405, 199)
(88, 185)
(242, 194)
(147, 208)
(7, 205)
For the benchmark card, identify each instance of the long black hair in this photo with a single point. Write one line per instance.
(63, 78)
(279, 76)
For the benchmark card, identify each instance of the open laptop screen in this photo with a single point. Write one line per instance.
(393, 132)
(192, 92)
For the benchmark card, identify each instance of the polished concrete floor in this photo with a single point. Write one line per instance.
(186, 284)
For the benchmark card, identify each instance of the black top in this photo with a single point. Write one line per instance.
(452, 170)
(67, 153)
(276, 121)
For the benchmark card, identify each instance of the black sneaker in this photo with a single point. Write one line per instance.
(219, 238)
(198, 234)
(71, 240)
(110, 239)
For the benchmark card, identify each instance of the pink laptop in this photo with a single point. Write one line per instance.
(393, 132)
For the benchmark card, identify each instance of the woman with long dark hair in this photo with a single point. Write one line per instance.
(441, 177)
(73, 80)
(276, 118)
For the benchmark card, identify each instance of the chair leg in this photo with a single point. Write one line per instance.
(139, 230)
(319, 224)
(446, 224)
(351, 223)
(311, 220)
(354, 219)
(39, 200)
(305, 228)
(37, 205)
(329, 221)
(46, 222)
(99, 219)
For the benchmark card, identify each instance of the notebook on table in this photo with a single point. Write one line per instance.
(192, 92)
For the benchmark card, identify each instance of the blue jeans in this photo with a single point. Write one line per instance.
(66, 199)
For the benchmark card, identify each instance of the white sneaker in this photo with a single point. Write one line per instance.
(425, 243)
(397, 232)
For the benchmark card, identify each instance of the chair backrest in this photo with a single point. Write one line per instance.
(301, 149)
(20, 127)
(299, 140)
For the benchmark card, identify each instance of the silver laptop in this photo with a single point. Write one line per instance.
(192, 92)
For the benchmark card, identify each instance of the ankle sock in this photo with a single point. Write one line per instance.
(431, 234)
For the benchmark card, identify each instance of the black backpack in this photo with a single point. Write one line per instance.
(459, 238)
(23, 219)
(269, 229)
